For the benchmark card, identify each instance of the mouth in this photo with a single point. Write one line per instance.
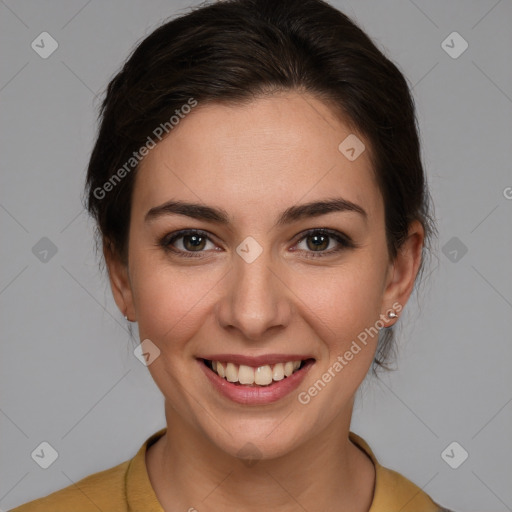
(261, 376)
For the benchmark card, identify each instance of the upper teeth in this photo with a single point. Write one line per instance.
(262, 375)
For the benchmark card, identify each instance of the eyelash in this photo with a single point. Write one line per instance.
(344, 241)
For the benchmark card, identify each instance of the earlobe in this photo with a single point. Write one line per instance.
(119, 282)
(405, 268)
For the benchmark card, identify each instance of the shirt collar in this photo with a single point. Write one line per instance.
(391, 490)
(140, 495)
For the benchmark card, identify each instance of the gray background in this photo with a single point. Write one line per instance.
(68, 373)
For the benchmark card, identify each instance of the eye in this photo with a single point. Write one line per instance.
(189, 241)
(186, 242)
(318, 240)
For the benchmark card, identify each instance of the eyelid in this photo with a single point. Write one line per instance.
(333, 233)
(344, 241)
(170, 238)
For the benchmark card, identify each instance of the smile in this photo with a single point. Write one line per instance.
(255, 380)
(254, 376)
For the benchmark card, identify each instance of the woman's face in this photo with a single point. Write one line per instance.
(256, 284)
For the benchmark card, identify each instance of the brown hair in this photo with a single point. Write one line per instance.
(235, 50)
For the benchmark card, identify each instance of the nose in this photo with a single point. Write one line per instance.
(256, 302)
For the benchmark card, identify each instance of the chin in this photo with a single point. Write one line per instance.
(256, 439)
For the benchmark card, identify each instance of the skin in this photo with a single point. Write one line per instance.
(254, 161)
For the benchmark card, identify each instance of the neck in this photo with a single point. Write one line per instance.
(327, 472)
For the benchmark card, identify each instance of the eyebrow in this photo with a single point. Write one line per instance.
(288, 216)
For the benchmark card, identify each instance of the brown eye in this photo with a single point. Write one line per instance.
(193, 242)
(185, 242)
(319, 240)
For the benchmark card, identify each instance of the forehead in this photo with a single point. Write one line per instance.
(260, 156)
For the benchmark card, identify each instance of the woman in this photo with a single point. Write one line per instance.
(264, 216)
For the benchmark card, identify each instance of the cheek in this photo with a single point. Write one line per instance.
(344, 306)
(343, 310)
(171, 303)
(171, 309)
(345, 300)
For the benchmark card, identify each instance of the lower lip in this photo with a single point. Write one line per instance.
(256, 395)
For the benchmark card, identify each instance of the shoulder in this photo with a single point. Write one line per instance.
(121, 488)
(397, 490)
(101, 490)
(394, 491)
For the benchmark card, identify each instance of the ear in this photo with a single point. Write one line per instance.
(119, 281)
(404, 268)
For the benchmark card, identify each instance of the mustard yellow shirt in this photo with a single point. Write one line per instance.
(127, 488)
